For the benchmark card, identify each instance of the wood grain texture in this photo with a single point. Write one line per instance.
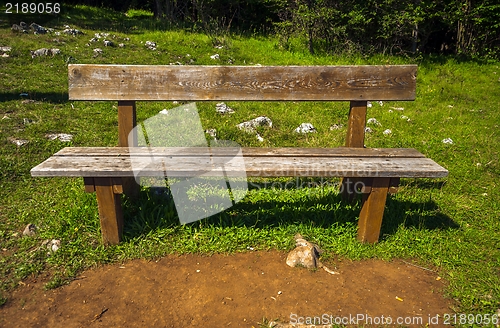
(372, 211)
(110, 211)
(262, 166)
(252, 83)
(247, 151)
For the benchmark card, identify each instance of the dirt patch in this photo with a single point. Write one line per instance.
(235, 291)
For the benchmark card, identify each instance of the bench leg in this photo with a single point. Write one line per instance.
(126, 123)
(372, 211)
(110, 210)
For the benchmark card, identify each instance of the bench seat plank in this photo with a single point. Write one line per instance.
(116, 162)
(247, 151)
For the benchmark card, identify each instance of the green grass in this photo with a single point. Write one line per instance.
(451, 225)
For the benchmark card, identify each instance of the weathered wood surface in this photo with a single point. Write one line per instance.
(262, 166)
(110, 211)
(372, 211)
(247, 151)
(252, 83)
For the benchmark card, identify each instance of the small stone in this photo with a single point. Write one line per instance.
(249, 126)
(212, 133)
(30, 230)
(222, 108)
(336, 127)
(151, 45)
(18, 142)
(447, 141)
(369, 104)
(108, 43)
(373, 121)
(305, 128)
(398, 108)
(215, 57)
(368, 130)
(387, 132)
(64, 137)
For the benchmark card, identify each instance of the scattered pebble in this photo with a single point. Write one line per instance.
(45, 52)
(27, 121)
(97, 52)
(259, 137)
(369, 104)
(336, 127)
(212, 133)
(381, 103)
(121, 45)
(305, 128)
(108, 43)
(249, 126)
(38, 29)
(404, 117)
(373, 121)
(52, 245)
(387, 132)
(30, 230)
(72, 31)
(18, 142)
(222, 108)
(447, 141)
(64, 137)
(151, 45)
(215, 57)
(368, 130)
(398, 108)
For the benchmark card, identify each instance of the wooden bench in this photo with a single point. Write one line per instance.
(108, 171)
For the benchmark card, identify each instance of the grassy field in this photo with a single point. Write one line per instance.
(450, 225)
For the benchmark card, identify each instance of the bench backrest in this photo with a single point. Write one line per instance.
(248, 83)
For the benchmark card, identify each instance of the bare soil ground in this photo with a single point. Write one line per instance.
(237, 290)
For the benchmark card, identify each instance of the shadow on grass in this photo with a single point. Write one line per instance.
(53, 97)
(156, 210)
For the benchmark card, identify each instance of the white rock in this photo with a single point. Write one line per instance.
(249, 126)
(215, 57)
(259, 137)
(381, 103)
(373, 121)
(64, 137)
(18, 142)
(151, 45)
(222, 108)
(398, 108)
(369, 105)
(5, 49)
(98, 51)
(447, 141)
(387, 132)
(336, 127)
(212, 133)
(108, 43)
(305, 128)
(368, 130)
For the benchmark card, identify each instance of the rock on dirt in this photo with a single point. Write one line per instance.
(304, 254)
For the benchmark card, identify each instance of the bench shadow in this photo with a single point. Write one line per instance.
(52, 97)
(155, 209)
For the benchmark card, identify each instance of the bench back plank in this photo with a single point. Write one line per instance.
(245, 83)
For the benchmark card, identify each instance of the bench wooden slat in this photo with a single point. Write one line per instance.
(251, 83)
(269, 166)
(247, 152)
